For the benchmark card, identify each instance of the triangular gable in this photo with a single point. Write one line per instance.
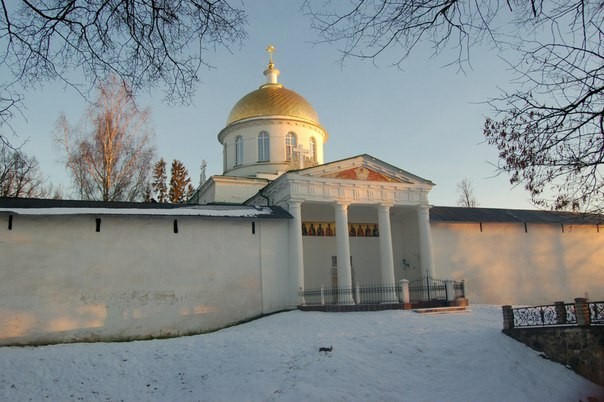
(360, 173)
(362, 168)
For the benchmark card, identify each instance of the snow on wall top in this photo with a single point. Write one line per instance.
(70, 207)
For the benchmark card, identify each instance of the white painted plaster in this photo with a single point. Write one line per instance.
(503, 264)
(61, 280)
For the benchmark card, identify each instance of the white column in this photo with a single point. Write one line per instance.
(425, 240)
(386, 258)
(344, 268)
(296, 254)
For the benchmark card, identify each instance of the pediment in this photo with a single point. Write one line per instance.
(361, 173)
(363, 168)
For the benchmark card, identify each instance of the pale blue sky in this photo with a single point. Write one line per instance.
(425, 119)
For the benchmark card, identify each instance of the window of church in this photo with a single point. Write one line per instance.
(290, 144)
(238, 150)
(263, 147)
(313, 149)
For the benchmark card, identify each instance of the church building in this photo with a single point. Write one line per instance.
(346, 214)
(281, 228)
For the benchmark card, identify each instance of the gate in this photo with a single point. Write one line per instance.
(428, 289)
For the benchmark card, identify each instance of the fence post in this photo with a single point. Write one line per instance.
(508, 317)
(404, 283)
(358, 293)
(322, 295)
(582, 312)
(560, 312)
(450, 290)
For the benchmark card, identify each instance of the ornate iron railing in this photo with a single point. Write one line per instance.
(421, 290)
(571, 313)
(596, 313)
(535, 316)
(556, 314)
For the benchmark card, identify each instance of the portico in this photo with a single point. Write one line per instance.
(354, 221)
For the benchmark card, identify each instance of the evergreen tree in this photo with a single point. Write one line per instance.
(179, 182)
(159, 181)
(190, 191)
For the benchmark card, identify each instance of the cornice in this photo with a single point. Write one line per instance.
(271, 120)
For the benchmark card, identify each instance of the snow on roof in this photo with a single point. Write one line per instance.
(70, 207)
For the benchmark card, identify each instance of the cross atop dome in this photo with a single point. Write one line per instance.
(271, 72)
(270, 49)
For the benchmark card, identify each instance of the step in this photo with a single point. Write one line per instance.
(442, 310)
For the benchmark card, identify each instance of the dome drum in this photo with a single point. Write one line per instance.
(258, 135)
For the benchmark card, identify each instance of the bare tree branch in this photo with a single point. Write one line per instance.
(466, 194)
(147, 43)
(20, 175)
(549, 131)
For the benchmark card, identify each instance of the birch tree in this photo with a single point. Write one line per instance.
(109, 155)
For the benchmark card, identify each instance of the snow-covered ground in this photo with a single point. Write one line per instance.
(376, 356)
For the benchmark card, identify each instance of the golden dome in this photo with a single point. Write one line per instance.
(273, 99)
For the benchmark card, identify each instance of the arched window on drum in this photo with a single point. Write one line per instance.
(238, 150)
(290, 144)
(263, 147)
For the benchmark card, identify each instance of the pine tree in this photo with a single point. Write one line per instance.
(190, 191)
(159, 181)
(179, 182)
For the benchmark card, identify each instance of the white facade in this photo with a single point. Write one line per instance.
(357, 191)
(278, 160)
(139, 276)
(522, 264)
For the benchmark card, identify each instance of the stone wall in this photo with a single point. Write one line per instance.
(580, 348)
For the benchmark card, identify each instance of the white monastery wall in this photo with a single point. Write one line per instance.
(274, 262)
(135, 278)
(503, 264)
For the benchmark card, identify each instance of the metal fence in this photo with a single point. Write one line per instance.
(421, 290)
(431, 289)
(596, 313)
(538, 316)
(556, 314)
